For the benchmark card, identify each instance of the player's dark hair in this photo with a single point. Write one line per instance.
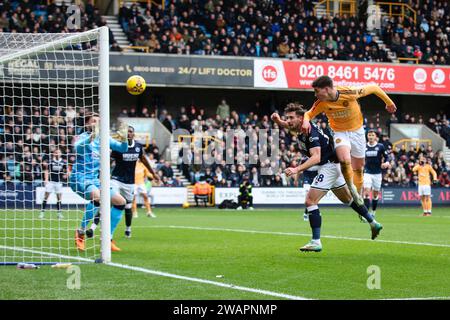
(322, 82)
(88, 115)
(87, 118)
(130, 127)
(295, 107)
(373, 131)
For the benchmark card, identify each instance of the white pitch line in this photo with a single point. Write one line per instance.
(56, 255)
(167, 275)
(426, 298)
(214, 283)
(296, 234)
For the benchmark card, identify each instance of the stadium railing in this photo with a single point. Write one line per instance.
(146, 49)
(162, 2)
(199, 143)
(401, 59)
(418, 142)
(345, 7)
(405, 9)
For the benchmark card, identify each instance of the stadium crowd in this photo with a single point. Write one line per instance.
(37, 16)
(427, 38)
(280, 28)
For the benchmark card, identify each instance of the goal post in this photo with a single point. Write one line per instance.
(48, 83)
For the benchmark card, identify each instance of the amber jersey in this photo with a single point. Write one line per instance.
(140, 173)
(344, 114)
(424, 172)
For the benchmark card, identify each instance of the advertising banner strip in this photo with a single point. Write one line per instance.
(393, 78)
(183, 70)
(25, 196)
(157, 69)
(234, 72)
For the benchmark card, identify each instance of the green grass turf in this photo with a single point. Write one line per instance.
(258, 260)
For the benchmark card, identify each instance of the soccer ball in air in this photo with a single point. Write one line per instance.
(136, 85)
(186, 205)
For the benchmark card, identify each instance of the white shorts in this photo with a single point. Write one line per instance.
(126, 190)
(140, 188)
(424, 190)
(53, 186)
(372, 181)
(328, 177)
(356, 140)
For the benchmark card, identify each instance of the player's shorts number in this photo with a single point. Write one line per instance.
(320, 178)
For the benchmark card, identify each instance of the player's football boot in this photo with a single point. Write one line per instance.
(60, 215)
(312, 246)
(79, 240)
(128, 234)
(114, 247)
(41, 215)
(89, 233)
(376, 230)
(151, 214)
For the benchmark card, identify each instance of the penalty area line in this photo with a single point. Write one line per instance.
(295, 234)
(164, 274)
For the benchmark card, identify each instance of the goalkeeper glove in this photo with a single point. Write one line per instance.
(121, 134)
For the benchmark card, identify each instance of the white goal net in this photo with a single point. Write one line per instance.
(48, 84)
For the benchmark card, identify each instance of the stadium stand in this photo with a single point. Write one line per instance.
(286, 29)
(399, 175)
(37, 16)
(427, 38)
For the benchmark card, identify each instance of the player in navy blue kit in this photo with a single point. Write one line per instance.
(123, 173)
(53, 178)
(320, 151)
(376, 160)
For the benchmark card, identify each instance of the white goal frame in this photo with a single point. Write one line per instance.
(104, 108)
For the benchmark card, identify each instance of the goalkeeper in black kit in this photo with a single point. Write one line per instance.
(245, 198)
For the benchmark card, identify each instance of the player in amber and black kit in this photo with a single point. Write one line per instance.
(319, 149)
(376, 160)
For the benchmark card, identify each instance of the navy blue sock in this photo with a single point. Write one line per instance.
(315, 221)
(374, 204)
(362, 211)
(367, 202)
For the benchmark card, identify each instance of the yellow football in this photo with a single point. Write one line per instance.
(186, 205)
(136, 85)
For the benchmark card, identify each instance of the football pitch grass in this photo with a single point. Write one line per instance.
(228, 254)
